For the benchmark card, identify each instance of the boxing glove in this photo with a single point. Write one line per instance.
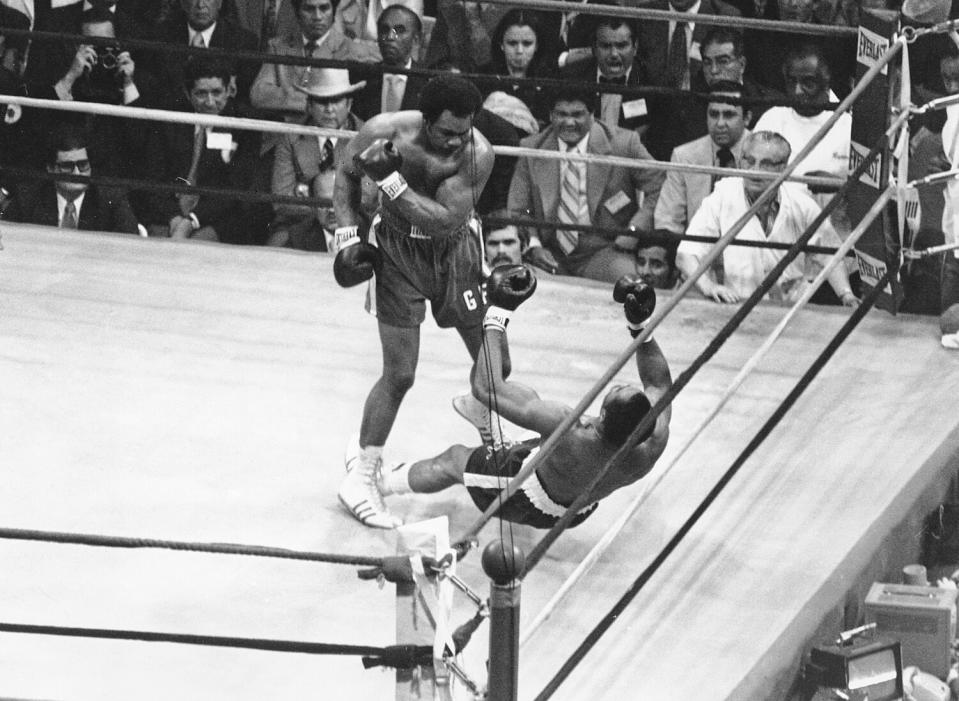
(356, 261)
(638, 300)
(381, 162)
(508, 286)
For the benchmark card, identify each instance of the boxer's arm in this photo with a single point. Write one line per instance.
(348, 186)
(455, 197)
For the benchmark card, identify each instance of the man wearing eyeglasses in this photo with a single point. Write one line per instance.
(782, 219)
(73, 205)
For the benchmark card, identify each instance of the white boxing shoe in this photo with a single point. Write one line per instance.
(361, 496)
(352, 455)
(950, 341)
(485, 422)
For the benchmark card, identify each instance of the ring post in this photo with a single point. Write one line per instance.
(502, 563)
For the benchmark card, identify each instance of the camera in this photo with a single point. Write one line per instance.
(106, 58)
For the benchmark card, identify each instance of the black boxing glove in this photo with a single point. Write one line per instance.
(508, 287)
(638, 300)
(356, 261)
(381, 162)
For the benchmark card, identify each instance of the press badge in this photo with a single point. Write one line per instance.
(635, 108)
(617, 202)
(219, 140)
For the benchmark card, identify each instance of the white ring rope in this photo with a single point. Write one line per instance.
(261, 125)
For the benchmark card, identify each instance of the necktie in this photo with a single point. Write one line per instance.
(326, 161)
(310, 48)
(393, 99)
(69, 220)
(199, 139)
(572, 204)
(269, 21)
(677, 61)
(724, 159)
(198, 41)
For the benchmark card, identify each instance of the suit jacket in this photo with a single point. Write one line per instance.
(367, 102)
(535, 189)
(297, 161)
(682, 193)
(273, 90)
(105, 209)
(170, 152)
(585, 72)
(249, 14)
(654, 37)
(226, 35)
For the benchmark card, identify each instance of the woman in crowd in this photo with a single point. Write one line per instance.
(516, 53)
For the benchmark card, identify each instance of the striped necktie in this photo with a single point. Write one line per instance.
(572, 203)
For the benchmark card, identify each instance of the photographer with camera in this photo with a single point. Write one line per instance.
(99, 73)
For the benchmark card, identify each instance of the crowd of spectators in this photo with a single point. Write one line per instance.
(712, 104)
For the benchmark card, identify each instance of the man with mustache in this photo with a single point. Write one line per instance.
(424, 245)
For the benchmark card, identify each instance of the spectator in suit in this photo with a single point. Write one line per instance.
(357, 18)
(671, 52)
(576, 193)
(266, 19)
(723, 59)
(614, 61)
(104, 74)
(399, 33)
(208, 157)
(274, 90)
(656, 259)
(305, 165)
(722, 147)
(201, 26)
(782, 219)
(72, 205)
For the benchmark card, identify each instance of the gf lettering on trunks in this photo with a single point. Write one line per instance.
(871, 47)
(857, 154)
(470, 297)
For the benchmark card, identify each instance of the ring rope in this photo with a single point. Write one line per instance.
(497, 221)
(549, 445)
(385, 653)
(848, 326)
(649, 487)
(106, 541)
(563, 6)
(261, 125)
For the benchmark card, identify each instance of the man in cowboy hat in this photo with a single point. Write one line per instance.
(305, 164)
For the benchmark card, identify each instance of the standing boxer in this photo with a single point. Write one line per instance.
(424, 244)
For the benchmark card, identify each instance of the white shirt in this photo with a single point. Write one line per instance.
(319, 42)
(950, 146)
(830, 155)
(62, 205)
(398, 79)
(207, 34)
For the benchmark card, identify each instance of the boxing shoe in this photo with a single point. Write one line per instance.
(485, 422)
(361, 496)
(351, 456)
(950, 341)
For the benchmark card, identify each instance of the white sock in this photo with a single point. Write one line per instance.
(395, 478)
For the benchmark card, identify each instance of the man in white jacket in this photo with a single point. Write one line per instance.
(783, 219)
